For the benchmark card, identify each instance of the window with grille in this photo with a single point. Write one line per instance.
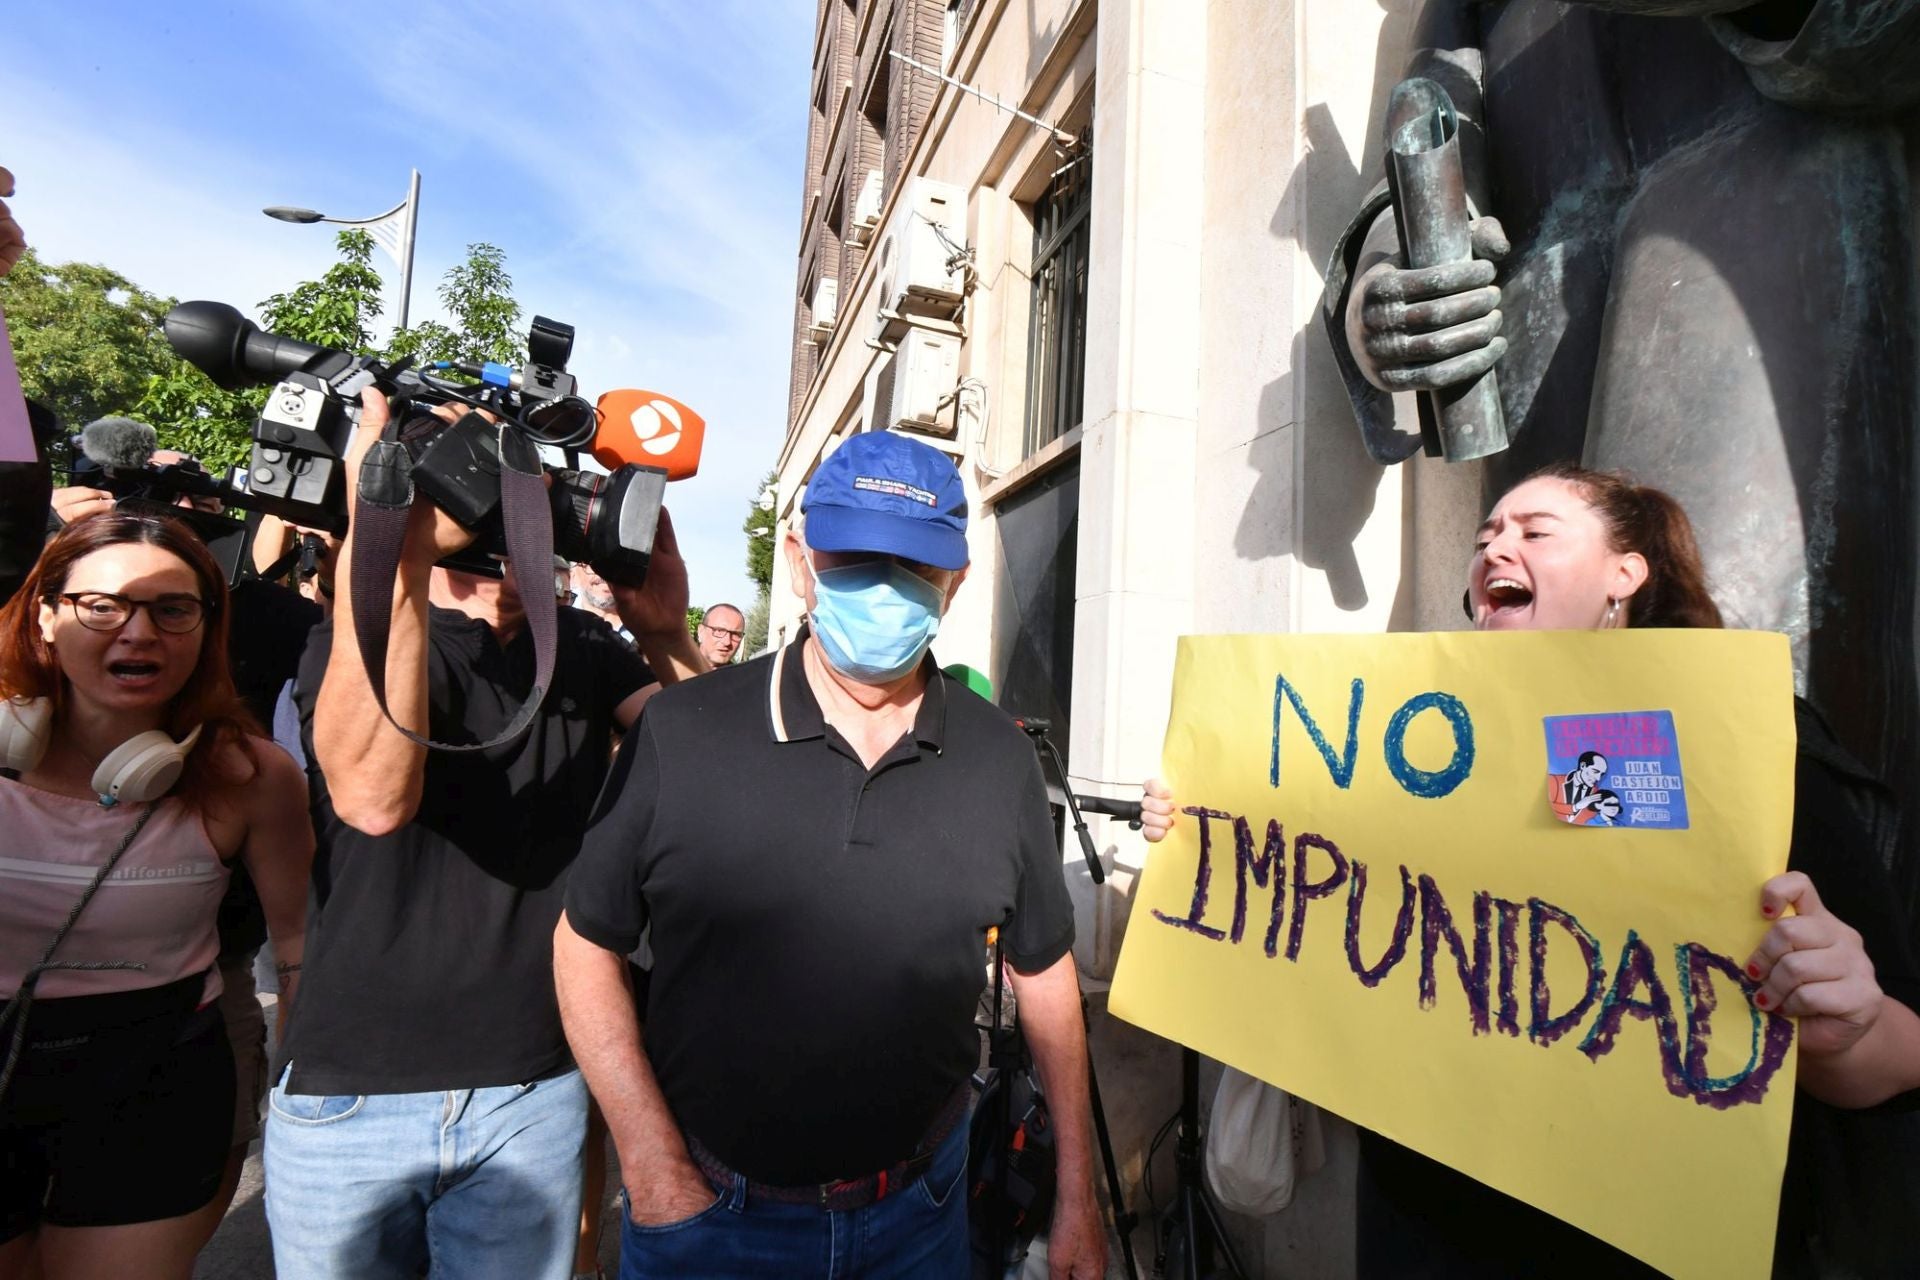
(1057, 333)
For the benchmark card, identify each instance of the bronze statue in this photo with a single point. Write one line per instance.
(1704, 228)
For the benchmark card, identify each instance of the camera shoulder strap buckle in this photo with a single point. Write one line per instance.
(386, 476)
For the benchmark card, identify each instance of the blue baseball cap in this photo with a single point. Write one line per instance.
(883, 492)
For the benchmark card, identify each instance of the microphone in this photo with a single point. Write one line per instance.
(119, 444)
(650, 430)
(1126, 809)
(234, 351)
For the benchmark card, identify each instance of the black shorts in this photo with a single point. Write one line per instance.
(121, 1111)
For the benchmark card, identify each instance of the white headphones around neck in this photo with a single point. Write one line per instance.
(142, 768)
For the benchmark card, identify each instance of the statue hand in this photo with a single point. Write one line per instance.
(1420, 329)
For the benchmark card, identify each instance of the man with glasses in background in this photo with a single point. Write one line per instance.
(722, 629)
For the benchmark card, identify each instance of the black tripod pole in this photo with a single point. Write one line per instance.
(1195, 1220)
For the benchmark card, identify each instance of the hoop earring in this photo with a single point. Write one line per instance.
(1613, 613)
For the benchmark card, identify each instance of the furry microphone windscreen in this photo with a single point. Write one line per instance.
(119, 444)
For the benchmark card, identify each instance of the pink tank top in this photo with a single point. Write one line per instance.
(158, 906)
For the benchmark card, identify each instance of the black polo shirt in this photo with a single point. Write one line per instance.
(818, 927)
(429, 961)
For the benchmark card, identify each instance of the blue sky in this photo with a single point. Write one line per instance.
(639, 163)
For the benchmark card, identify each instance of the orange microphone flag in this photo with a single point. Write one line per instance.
(649, 429)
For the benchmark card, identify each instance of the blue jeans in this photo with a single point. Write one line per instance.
(916, 1234)
(478, 1182)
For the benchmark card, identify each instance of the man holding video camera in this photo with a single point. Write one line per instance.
(429, 1113)
(822, 839)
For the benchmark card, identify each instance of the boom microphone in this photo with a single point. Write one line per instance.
(119, 444)
(650, 430)
(234, 351)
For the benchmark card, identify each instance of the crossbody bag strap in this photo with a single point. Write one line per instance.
(22, 1002)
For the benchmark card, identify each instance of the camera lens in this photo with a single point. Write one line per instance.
(607, 521)
(574, 497)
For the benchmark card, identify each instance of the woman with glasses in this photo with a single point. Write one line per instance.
(134, 779)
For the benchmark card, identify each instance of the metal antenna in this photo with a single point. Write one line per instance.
(1064, 140)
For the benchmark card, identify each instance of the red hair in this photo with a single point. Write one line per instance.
(29, 669)
(1651, 522)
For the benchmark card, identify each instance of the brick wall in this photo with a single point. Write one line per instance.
(820, 248)
(883, 115)
(918, 32)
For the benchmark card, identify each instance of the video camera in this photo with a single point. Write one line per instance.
(116, 455)
(301, 438)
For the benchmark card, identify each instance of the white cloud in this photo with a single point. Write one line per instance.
(173, 213)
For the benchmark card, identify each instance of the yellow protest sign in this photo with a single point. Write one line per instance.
(1489, 895)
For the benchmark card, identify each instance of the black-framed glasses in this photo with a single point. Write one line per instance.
(722, 631)
(106, 611)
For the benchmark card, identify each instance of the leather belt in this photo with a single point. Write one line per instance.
(848, 1193)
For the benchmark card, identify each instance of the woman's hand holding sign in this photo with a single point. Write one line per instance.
(1857, 1048)
(1156, 810)
(1811, 966)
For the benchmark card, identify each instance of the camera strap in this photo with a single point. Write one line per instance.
(380, 509)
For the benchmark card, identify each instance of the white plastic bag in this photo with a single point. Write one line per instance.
(1260, 1142)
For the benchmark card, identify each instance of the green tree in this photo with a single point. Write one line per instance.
(695, 616)
(758, 615)
(87, 339)
(338, 309)
(478, 294)
(191, 414)
(758, 526)
(89, 342)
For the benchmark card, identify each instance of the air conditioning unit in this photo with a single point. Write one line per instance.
(826, 300)
(866, 208)
(921, 274)
(912, 390)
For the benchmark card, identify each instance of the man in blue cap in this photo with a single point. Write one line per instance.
(821, 840)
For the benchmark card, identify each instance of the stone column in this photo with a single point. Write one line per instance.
(1134, 573)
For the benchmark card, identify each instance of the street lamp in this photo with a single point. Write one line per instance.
(392, 231)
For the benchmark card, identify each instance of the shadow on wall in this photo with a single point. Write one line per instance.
(1337, 479)
(1041, 37)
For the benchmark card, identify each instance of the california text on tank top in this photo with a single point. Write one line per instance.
(157, 908)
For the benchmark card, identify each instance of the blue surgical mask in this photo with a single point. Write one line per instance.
(874, 619)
